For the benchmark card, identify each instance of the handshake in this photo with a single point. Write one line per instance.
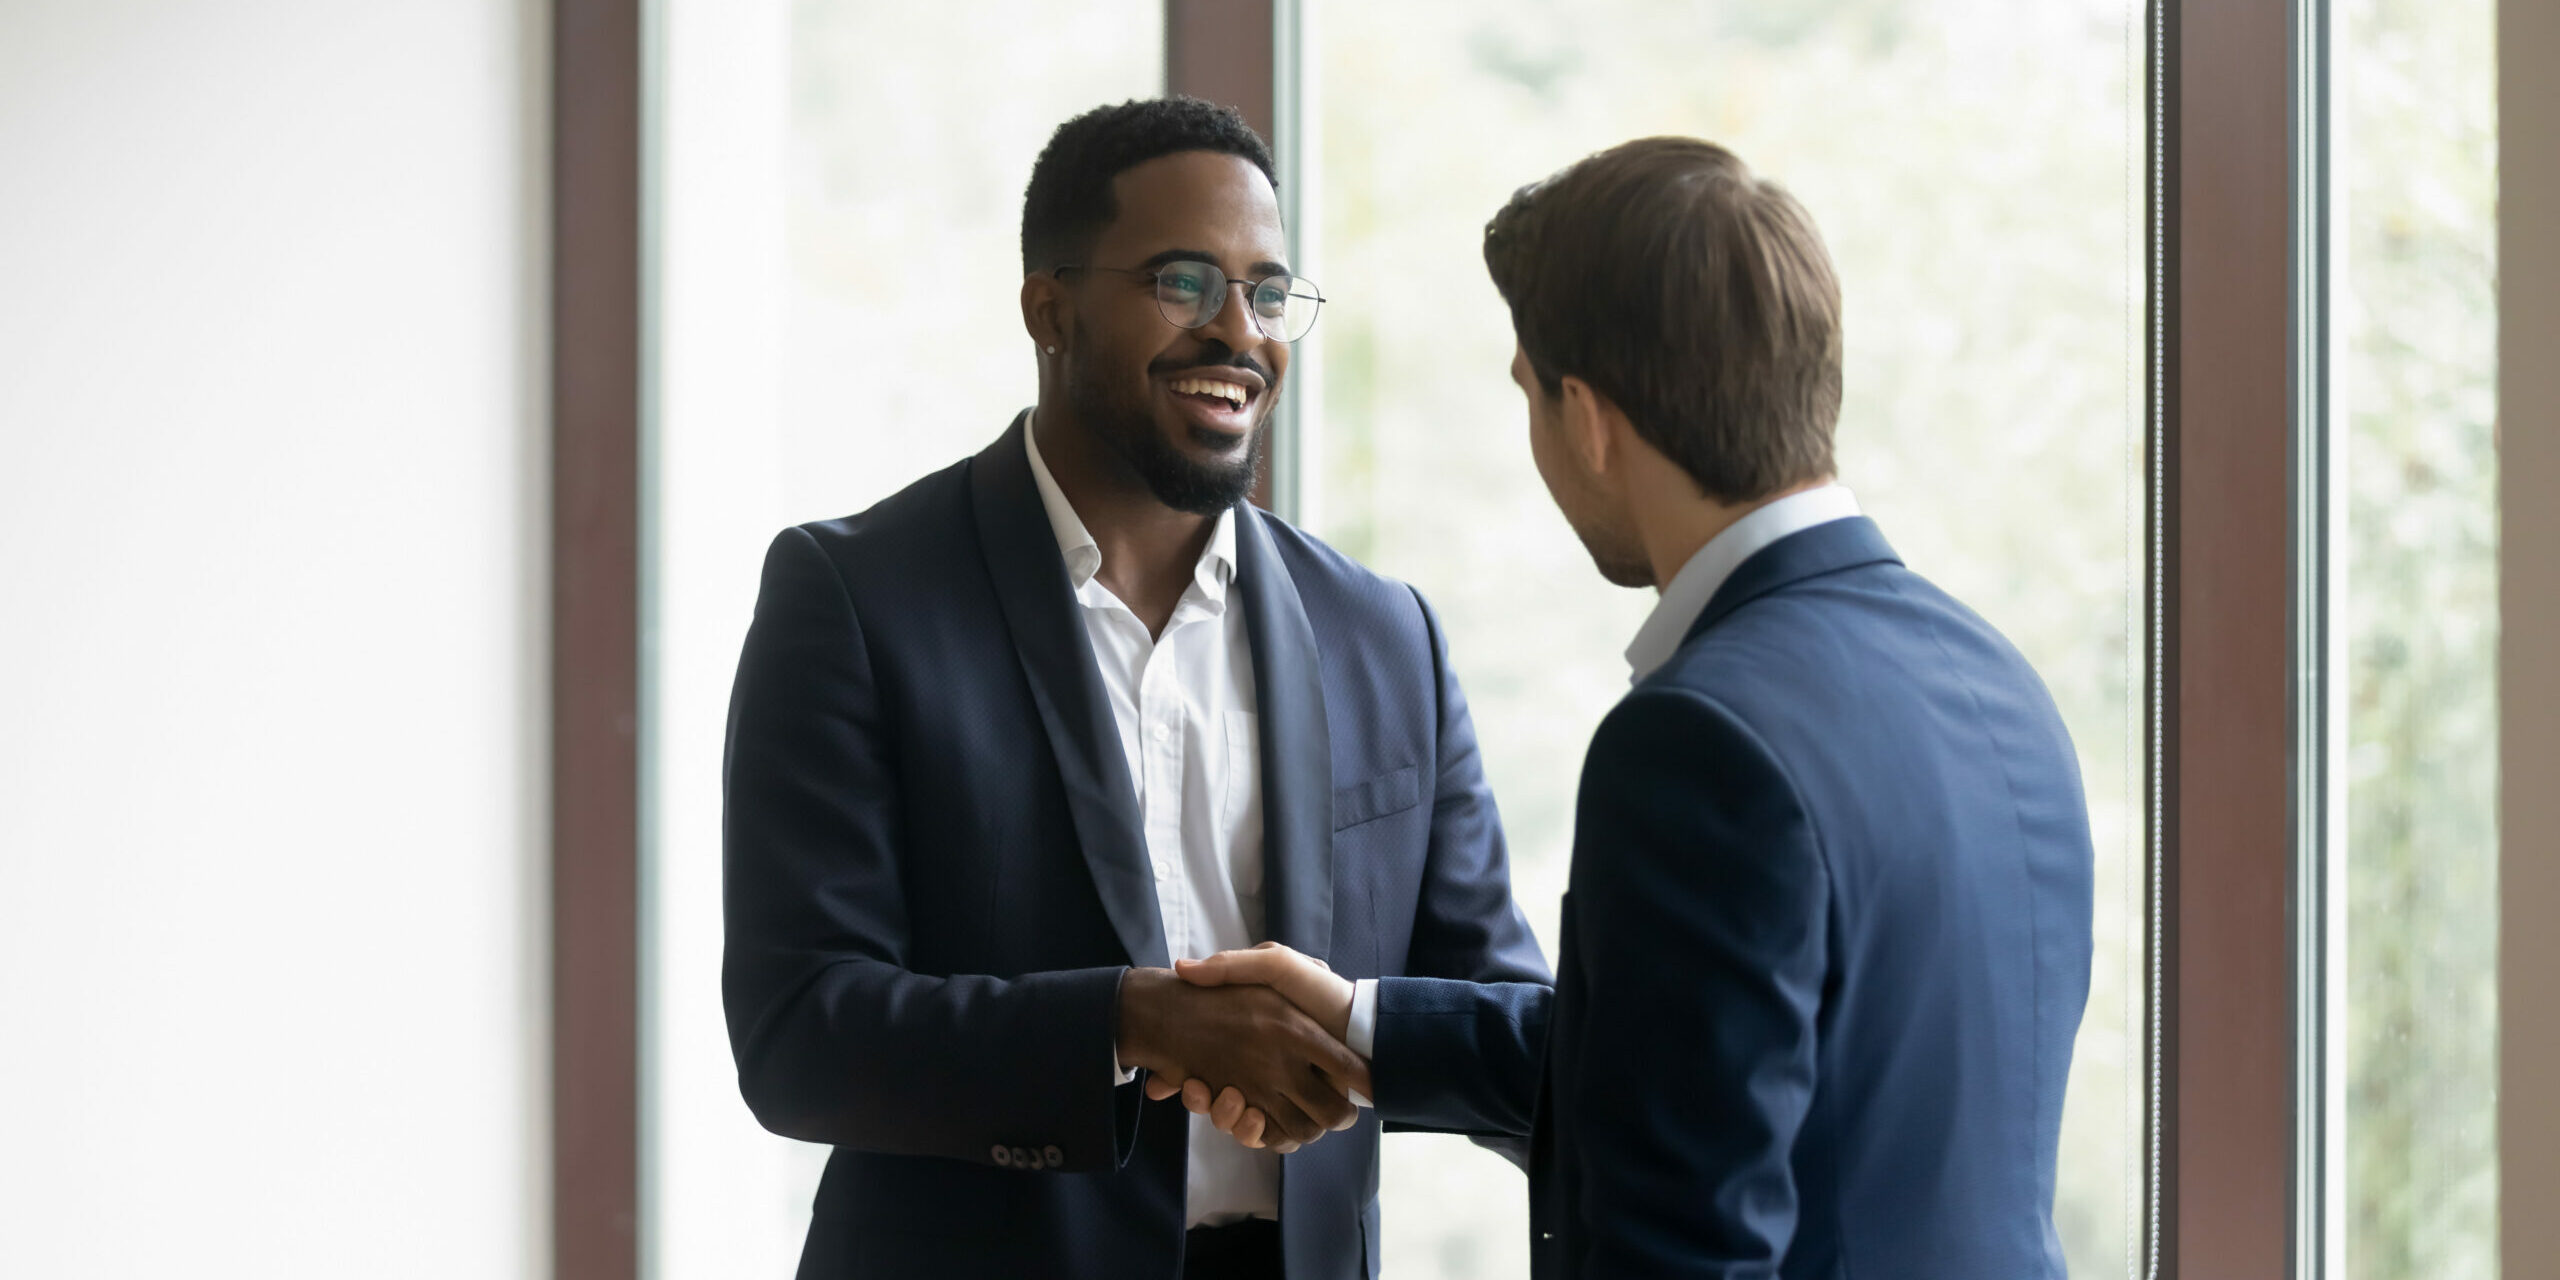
(1251, 1039)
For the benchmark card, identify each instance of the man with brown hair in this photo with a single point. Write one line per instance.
(1827, 935)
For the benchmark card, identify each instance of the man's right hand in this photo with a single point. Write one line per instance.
(1305, 981)
(1249, 1038)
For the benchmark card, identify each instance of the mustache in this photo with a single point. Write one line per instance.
(1215, 355)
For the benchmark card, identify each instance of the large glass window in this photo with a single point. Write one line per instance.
(838, 194)
(836, 199)
(1976, 166)
(2413, 454)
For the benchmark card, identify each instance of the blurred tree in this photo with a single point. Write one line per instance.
(2417, 155)
(1975, 168)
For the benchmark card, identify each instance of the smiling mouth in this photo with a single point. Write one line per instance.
(1218, 409)
(1217, 393)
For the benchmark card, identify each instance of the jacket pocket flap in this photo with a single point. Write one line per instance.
(1382, 795)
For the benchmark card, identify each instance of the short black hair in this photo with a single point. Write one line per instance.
(1069, 201)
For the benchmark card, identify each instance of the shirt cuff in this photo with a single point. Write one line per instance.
(1120, 1075)
(1361, 1034)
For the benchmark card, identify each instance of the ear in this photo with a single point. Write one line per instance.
(1048, 313)
(1592, 427)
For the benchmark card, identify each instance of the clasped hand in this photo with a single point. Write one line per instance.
(1251, 1039)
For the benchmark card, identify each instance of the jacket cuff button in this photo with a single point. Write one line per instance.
(1054, 1157)
(1003, 1155)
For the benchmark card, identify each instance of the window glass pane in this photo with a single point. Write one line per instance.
(2415, 468)
(1976, 166)
(838, 196)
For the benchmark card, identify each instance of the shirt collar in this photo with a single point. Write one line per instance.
(1083, 555)
(1697, 582)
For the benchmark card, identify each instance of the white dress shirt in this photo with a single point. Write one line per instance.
(1184, 704)
(1698, 581)
(1660, 637)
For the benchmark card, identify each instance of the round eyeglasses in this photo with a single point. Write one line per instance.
(1190, 294)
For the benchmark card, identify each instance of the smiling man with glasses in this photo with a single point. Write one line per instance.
(1007, 745)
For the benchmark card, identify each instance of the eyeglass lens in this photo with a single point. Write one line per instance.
(1191, 294)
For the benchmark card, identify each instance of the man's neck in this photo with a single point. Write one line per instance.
(1675, 521)
(1149, 550)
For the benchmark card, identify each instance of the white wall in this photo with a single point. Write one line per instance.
(272, 534)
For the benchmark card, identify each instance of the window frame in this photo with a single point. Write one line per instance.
(2529, 632)
(1244, 54)
(2223, 595)
(597, 371)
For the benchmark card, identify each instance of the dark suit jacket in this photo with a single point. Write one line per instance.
(1826, 945)
(935, 878)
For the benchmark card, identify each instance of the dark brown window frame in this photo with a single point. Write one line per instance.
(1228, 52)
(2529, 633)
(596, 380)
(2221, 593)
(2223, 588)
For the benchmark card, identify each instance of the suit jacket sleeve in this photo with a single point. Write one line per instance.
(837, 1041)
(1459, 1039)
(1701, 907)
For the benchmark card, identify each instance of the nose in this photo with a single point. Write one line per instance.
(1233, 324)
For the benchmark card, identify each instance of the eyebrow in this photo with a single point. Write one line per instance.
(1265, 268)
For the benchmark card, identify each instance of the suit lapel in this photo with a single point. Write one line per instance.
(1057, 660)
(1297, 751)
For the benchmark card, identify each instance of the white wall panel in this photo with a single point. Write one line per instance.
(271, 602)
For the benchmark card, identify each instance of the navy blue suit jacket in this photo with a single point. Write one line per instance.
(935, 877)
(1825, 948)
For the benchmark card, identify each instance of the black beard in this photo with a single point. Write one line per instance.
(1174, 479)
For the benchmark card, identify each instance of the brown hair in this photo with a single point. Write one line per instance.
(1692, 293)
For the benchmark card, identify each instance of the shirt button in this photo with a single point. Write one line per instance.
(1163, 732)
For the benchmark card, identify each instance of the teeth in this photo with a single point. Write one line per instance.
(1232, 393)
